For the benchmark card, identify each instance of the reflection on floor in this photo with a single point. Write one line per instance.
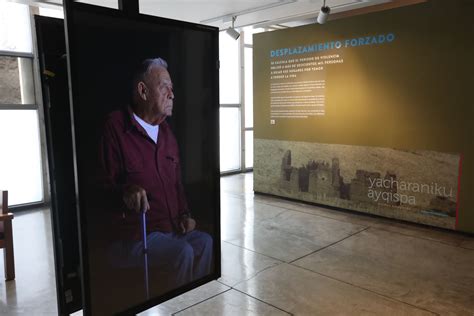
(280, 258)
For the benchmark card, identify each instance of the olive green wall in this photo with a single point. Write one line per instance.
(414, 93)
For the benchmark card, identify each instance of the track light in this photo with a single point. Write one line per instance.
(232, 31)
(323, 13)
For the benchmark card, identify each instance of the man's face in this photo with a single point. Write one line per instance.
(160, 94)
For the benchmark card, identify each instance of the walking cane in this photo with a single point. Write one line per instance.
(145, 252)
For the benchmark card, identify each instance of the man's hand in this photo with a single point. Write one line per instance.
(187, 224)
(135, 198)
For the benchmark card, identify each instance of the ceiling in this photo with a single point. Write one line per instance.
(219, 13)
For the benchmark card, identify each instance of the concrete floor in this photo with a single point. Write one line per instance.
(281, 258)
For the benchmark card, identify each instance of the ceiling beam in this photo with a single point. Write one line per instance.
(226, 18)
(374, 8)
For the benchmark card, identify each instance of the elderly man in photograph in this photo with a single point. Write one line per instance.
(140, 170)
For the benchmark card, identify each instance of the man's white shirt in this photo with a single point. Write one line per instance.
(151, 130)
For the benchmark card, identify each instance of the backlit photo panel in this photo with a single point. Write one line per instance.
(145, 116)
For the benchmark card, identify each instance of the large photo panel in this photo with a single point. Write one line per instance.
(145, 116)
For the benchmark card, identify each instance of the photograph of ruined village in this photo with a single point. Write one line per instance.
(413, 185)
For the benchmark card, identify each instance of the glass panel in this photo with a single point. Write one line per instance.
(27, 83)
(248, 70)
(229, 87)
(15, 29)
(16, 81)
(20, 159)
(248, 35)
(54, 13)
(10, 92)
(229, 139)
(102, 3)
(248, 149)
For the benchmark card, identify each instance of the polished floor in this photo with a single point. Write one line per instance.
(286, 258)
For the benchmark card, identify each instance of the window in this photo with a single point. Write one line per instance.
(248, 94)
(248, 71)
(236, 100)
(230, 107)
(249, 149)
(53, 13)
(21, 163)
(229, 73)
(229, 138)
(101, 3)
(16, 80)
(15, 28)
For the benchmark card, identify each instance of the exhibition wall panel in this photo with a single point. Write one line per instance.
(370, 113)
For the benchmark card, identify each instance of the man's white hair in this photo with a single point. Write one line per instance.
(150, 62)
(145, 68)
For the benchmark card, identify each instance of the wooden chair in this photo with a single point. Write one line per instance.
(6, 236)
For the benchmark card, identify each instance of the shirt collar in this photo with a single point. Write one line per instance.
(132, 122)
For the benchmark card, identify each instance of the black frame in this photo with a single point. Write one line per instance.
(70, 9)
(60, 160)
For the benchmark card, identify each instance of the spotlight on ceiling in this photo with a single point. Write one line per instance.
(232, 31)
(323, 13)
